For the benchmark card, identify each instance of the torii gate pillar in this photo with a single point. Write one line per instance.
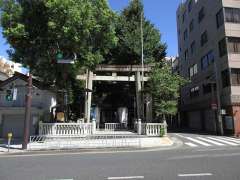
(88, 95)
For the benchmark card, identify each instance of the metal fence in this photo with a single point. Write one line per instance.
(99, 141)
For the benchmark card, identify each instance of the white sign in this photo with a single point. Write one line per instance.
(223, 111)
(14, 94)
(65, 61)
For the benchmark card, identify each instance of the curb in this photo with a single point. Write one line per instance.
(175, 144)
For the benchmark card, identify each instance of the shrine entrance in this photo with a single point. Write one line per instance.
(114, 95)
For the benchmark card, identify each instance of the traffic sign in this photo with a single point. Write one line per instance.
(214, 106)
(65, 61)
(9, 95)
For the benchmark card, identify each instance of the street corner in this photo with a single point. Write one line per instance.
(152, 142)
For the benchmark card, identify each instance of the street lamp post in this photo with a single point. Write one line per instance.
(142, 62)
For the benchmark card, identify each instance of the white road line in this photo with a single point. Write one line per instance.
(223, 141)
(198, 141)
(211, 141)
(195, 175)
(180, 135)
(230, 139)
(191, 144)
(126, 177)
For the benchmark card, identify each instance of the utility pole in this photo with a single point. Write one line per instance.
(219, 116)
(142, 60)
(27, 113)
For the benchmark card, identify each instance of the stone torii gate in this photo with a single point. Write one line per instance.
(136, 77)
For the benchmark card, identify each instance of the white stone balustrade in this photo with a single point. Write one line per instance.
(153, 129)
(65, 129)
(113, 126)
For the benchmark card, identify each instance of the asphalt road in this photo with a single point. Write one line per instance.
(181, 163)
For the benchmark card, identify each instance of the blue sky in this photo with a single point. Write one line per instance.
(162, 13)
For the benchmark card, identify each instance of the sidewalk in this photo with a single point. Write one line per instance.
(13, 148)
(94, 144)
(85, 143)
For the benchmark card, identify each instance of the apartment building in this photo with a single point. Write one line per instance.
(209, 56)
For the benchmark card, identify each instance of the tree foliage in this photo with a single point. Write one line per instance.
(128, 31)
(37, 30)
(164, 86)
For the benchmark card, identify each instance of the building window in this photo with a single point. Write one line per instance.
(225, 78)
(193, 70)
(185, 35)
(232, 15)
(207, 60)
(233, 45)
(191, 25)
(184, 17)
(193, 47)
(190, 6)
(207, 88)
(235, 77)
(194, 92)
(186, 55)
(204, 38)
(222, 47)
(201, 15)
(220, 18)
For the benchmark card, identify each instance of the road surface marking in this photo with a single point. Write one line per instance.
(126, 177)
(211, 141)
(191, 144)
(230, 139)
(194, 175)
(198, 141)
(223, 141)
(180, 135)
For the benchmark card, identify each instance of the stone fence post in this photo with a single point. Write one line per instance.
(139, 127)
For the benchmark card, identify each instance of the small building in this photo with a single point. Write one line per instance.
(12, 110)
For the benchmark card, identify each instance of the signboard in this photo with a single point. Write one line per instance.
(65, 61)
(214, 106)
(228, 122)
(65, 58)
(14, 94)
(223, 112)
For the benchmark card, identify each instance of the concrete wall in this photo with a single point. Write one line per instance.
(209, 120)
(194, 119)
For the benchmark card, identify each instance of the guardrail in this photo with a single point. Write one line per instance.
(154, 129)
(102, 141)
(114, 126)
(65, 129)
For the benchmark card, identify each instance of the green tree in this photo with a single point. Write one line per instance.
(128, 30)
(37, 30)
(164, 87)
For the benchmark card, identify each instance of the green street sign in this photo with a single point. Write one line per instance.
(9, 95)
(59, 56)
